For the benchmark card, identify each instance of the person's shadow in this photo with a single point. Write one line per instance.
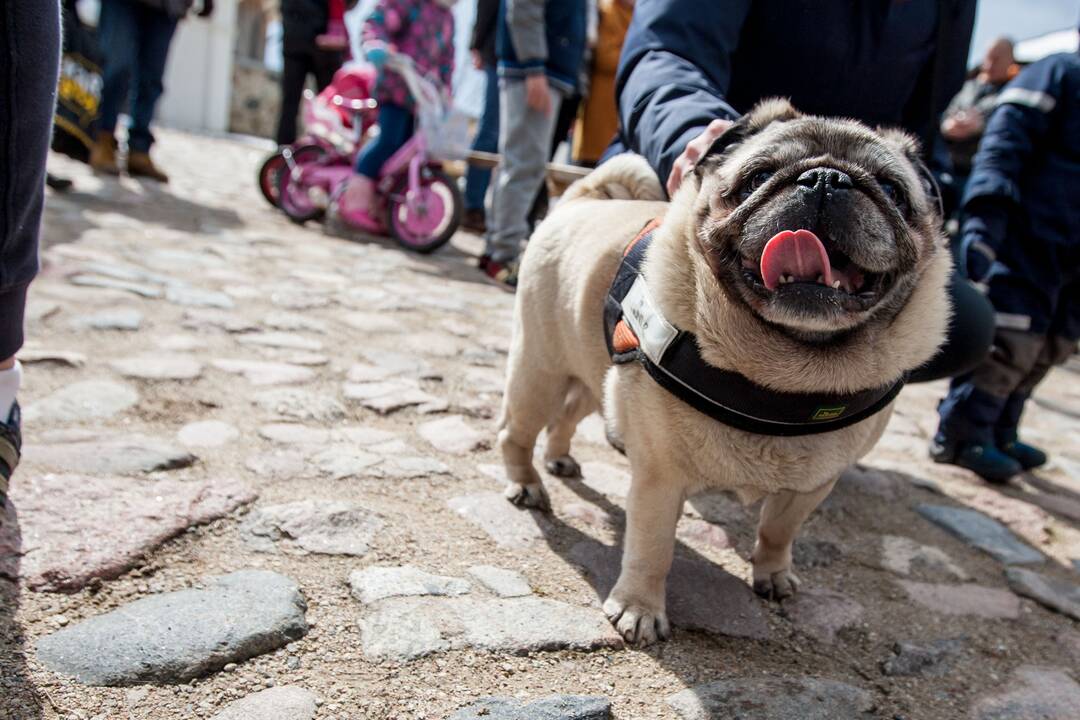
(19, 699)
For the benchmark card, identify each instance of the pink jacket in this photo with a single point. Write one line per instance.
(421, 29)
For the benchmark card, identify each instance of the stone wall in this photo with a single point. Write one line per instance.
(256, 99)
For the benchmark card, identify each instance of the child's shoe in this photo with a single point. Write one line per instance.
(983, 459)
(355, 205)
(503, 274)
(10, 448)
(1028, 456)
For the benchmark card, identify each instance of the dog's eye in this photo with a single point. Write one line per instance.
(759, 179)
(889, 188)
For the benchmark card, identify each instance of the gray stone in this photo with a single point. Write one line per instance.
(699, 533)
(386, 397)
(289, 341)
(781, 698)
(453, 435)
(401, 364)
(375, 323)
(504, 583)
(903, 556)
(86, 400)
(259, 372)
(965, 599)
(375, 583)
(294, 321)
(98, 281)
(1055, 594)
(719, 508)
(982, 532)
(556, 707)
(407, 468)
(178, 636)
(294, 434)
(823, 613)
(287, 702)
(1033, 693)
(700, 595)
(201, 318)
(30, 355)
(76, 528)
(297, 404)
(38, 310)
(314, 526)
(931, 659)
(606, 479)
(344, 461)
(207, 434)
(412, 627)
(507, 525)
(283, 465)
(115, 319)
(810, 553)
(158, 367)
(105, 454)
(198, 297)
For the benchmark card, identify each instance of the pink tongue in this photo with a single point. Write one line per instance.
(798, 254)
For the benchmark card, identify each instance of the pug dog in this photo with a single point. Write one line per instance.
(805, 257)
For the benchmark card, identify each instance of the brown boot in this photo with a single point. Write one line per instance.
(103, 154)
(139, 164)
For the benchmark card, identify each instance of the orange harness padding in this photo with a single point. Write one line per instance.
(623, 338)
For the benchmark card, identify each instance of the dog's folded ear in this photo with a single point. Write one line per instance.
(761, 116)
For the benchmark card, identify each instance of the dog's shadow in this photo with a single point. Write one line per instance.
(19, 698)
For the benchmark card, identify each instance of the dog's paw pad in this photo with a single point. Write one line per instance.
(777, 586)
(636, 623)
(564, 467)
(532, 496)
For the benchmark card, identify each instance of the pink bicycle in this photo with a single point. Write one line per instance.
(421, 206)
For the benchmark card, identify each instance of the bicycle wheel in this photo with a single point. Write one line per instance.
(293, 197)
(434, 217)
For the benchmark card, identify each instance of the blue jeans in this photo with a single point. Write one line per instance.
(486, 140)
(134, 44)
(395, 129)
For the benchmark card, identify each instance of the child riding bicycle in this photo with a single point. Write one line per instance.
(423, 31)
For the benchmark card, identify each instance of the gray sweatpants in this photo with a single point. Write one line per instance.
(524, 144)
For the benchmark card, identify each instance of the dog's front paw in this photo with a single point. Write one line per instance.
(777, 585)
(563, 466)
(533, 496)
(637, 622)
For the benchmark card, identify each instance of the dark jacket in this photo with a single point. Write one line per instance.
(542, 36)
(1027, 169)
(686, 62)
(484, 31)
(301, 22)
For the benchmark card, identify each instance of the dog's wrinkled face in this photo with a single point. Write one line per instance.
(819, 226)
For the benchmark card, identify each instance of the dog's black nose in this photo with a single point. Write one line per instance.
(825, 179)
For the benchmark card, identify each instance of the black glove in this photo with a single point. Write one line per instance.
(207, 8)
(982, 236)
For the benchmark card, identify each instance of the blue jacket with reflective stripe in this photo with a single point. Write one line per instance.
(1028, 163)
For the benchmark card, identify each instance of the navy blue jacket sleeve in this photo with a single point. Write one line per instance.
(1016, 128)
(674, 74)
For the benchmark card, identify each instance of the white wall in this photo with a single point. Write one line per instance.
(198, 77)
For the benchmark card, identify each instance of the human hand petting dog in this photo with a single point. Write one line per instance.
(695, 150)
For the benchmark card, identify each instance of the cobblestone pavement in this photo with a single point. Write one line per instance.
(259, 483)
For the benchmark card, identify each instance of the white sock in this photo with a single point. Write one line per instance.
(10, 380)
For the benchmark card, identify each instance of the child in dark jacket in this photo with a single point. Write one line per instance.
(423, 30)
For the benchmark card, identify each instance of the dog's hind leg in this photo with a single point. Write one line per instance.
(782, 514)
(578, 404)
(531, 400)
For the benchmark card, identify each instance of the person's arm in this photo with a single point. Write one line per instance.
(1016, 127)
(487, 15)
(674, 74)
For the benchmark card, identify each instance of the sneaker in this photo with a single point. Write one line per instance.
(139, 164)
(10, 449)
(475, 221)
(505, 274)
(1028, 456)
(985, 460)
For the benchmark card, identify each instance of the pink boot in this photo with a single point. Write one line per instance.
(355, 204)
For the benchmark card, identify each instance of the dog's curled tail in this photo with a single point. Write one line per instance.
(624, 177)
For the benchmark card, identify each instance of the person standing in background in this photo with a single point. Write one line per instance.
(135, 36)
(598, 120)
(482, 48)
(28, 85)
(312, 46)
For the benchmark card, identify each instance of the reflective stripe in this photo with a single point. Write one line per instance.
(1028, 98)
(1012, 321)
(984, 249)
(653, 330)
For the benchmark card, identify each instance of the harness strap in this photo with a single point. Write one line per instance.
(636, 331)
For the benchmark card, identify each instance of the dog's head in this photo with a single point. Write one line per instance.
(817, 226)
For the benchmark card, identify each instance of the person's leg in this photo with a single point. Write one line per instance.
(28, 87)
(395, 128)
(117, 36)
(324, 64)
(477, 179)
(524, 143)
(293, 74)
(156, 30)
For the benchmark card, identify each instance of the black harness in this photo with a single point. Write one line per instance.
(636, 331)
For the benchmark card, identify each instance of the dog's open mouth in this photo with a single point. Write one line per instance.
(797, 263)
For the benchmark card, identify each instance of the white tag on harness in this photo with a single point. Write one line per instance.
(653, 331)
